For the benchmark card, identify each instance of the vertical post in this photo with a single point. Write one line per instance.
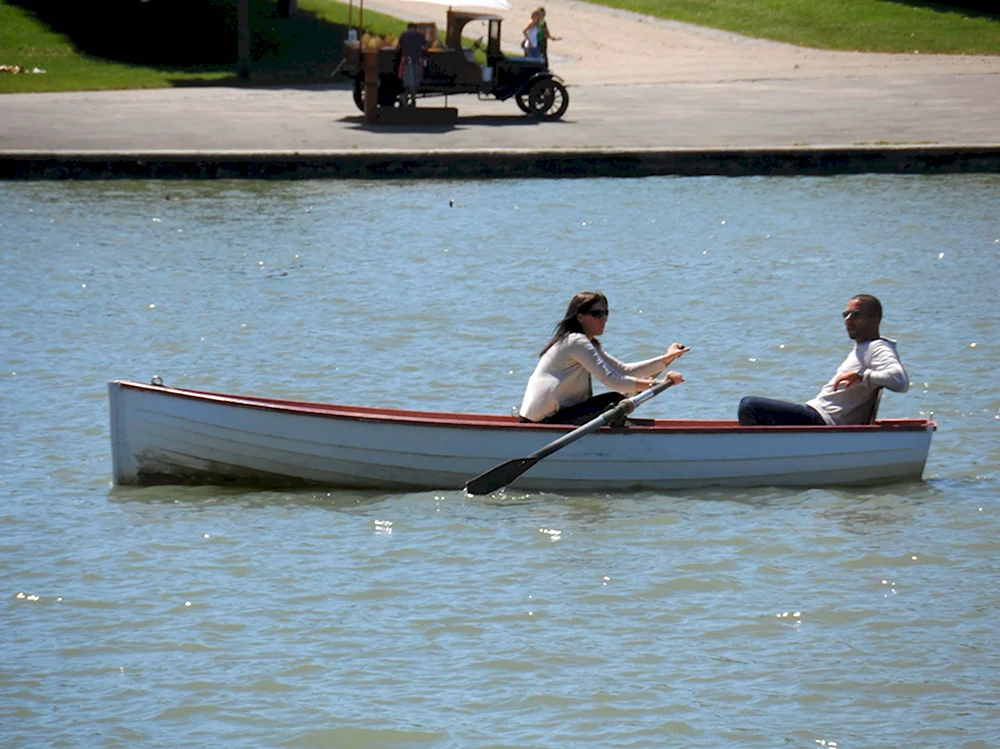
(370, 61)
(243, 38)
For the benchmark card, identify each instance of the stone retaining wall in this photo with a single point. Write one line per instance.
(476, 164)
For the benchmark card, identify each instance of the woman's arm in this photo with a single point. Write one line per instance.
(623, 378)
(650, 366)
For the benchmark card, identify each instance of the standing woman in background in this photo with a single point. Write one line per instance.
(544, 35)
(530, 43)
(560, 390)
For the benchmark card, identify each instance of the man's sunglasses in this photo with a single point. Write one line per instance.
(600, 314)
(851, 314)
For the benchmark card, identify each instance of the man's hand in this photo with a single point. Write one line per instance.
(847, 379)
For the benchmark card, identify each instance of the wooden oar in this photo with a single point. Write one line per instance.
(505, 473)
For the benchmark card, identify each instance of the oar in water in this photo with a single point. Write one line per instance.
(505, 473)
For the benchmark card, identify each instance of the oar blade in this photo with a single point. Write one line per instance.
(499, 477)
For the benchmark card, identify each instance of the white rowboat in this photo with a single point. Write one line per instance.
(173, 435)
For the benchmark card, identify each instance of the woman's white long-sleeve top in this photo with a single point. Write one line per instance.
(563, 376)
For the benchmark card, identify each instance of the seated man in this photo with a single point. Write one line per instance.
(849, 398)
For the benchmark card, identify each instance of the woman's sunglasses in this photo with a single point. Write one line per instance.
(600, 314)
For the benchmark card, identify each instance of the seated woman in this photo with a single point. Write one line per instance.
(560, 390)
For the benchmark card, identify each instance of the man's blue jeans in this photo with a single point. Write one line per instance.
(767, 412)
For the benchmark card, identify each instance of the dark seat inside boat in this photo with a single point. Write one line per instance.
(873, 414)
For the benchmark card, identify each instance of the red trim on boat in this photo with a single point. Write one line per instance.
(487, 421)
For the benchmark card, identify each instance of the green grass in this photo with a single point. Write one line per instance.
(173, 43)
(193, 42)
(861, 25)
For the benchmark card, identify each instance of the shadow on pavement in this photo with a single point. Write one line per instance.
(336, 86)
(498, 120)
(357, 122)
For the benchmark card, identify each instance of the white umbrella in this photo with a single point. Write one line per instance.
(491, 4)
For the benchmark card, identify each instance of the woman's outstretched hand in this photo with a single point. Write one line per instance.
(675, 351)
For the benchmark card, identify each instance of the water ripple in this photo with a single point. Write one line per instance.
(178, 616)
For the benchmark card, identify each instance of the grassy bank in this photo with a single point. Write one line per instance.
(80, 46)
(861, 25)
(169, 43)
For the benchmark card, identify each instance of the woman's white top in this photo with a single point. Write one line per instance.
(563, 376)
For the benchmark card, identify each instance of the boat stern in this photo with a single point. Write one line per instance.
(124, 467)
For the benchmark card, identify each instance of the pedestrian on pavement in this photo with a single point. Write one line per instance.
(544, 35)
(530, 42)
(412, 44)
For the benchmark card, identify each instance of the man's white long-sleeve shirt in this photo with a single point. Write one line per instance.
(880, 367)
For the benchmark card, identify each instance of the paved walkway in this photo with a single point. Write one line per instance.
(841, 111)
(636, 83)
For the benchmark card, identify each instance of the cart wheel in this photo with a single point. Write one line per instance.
(386, 97)
(359, 95)
(522, 103)
(548, 99)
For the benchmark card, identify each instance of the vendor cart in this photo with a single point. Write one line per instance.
(450, 68)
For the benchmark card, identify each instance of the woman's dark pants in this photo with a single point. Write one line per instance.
(581, 413)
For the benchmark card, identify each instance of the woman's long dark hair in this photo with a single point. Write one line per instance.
(582, 302)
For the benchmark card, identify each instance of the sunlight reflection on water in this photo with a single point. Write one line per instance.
(854, 617)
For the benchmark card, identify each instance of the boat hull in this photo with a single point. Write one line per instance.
(168, 435)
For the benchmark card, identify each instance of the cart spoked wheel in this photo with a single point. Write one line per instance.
(385, 99)
(522, 103)
(359, 95)
(548, 100)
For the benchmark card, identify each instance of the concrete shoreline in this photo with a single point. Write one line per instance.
(647, 97)
(501, 163)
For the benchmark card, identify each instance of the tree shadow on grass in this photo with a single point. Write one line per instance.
(972, 8)
(196, 36)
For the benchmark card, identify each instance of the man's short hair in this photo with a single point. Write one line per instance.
(869, 305)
